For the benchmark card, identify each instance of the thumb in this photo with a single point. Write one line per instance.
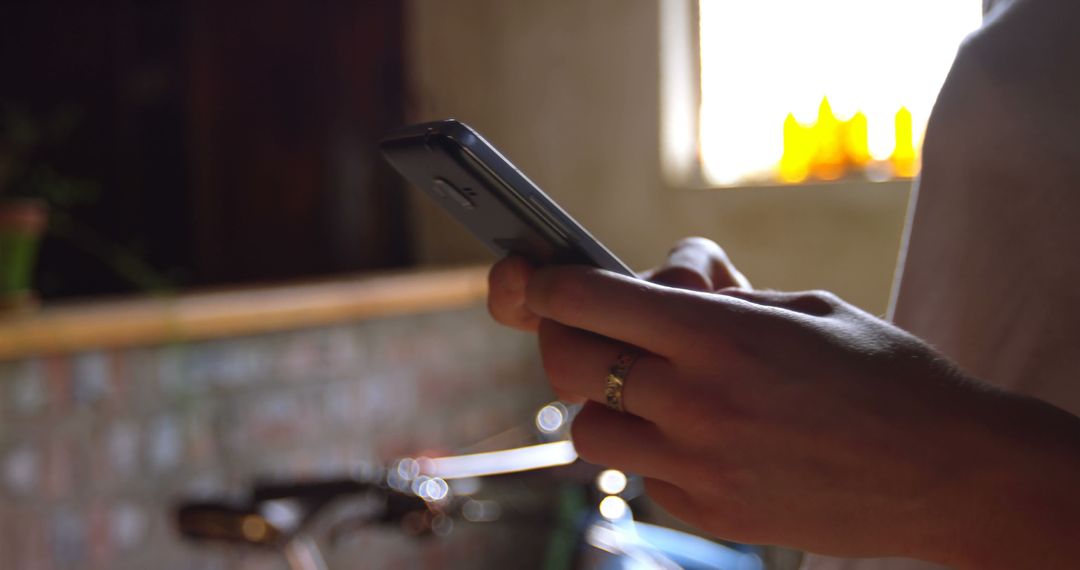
(697, 264)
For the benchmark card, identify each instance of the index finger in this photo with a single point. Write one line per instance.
(659, 319)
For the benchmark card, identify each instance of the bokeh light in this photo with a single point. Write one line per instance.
(254, 528)
(613, 508)
(611, 481)
(434, 490)
(481, 511)
(551, 417)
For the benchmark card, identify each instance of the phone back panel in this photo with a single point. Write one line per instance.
(483, 191)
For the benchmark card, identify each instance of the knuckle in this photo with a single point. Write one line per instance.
(824, 296)
(817, 302)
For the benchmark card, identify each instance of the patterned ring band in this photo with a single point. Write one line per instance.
(616, 378)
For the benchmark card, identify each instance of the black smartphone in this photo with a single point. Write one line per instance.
(487, 194)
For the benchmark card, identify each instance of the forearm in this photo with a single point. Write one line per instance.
(1024, 496)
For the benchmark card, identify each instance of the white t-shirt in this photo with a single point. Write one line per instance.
(991, 275)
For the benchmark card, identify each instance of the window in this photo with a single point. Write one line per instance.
(795, 91)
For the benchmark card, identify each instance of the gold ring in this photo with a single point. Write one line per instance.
(616, 378)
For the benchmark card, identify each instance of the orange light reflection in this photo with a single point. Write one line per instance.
(831, 148)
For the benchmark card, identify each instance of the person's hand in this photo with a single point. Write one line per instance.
(693, 263)
(797, 419)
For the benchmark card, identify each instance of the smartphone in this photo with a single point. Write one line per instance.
(482, 190)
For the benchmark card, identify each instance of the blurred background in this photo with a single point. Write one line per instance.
(187, 144)
(196, 227)
(181, 145)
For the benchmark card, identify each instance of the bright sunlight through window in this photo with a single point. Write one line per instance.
(803, 90)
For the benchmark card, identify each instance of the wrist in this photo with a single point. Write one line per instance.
(1017, 497)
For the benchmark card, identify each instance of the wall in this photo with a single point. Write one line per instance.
(570, 92)
(96, 447)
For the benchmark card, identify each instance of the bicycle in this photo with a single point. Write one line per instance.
(420, 497)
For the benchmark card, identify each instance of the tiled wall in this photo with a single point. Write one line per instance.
(95, 447)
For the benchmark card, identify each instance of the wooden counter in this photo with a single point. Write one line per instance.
(195, 316)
